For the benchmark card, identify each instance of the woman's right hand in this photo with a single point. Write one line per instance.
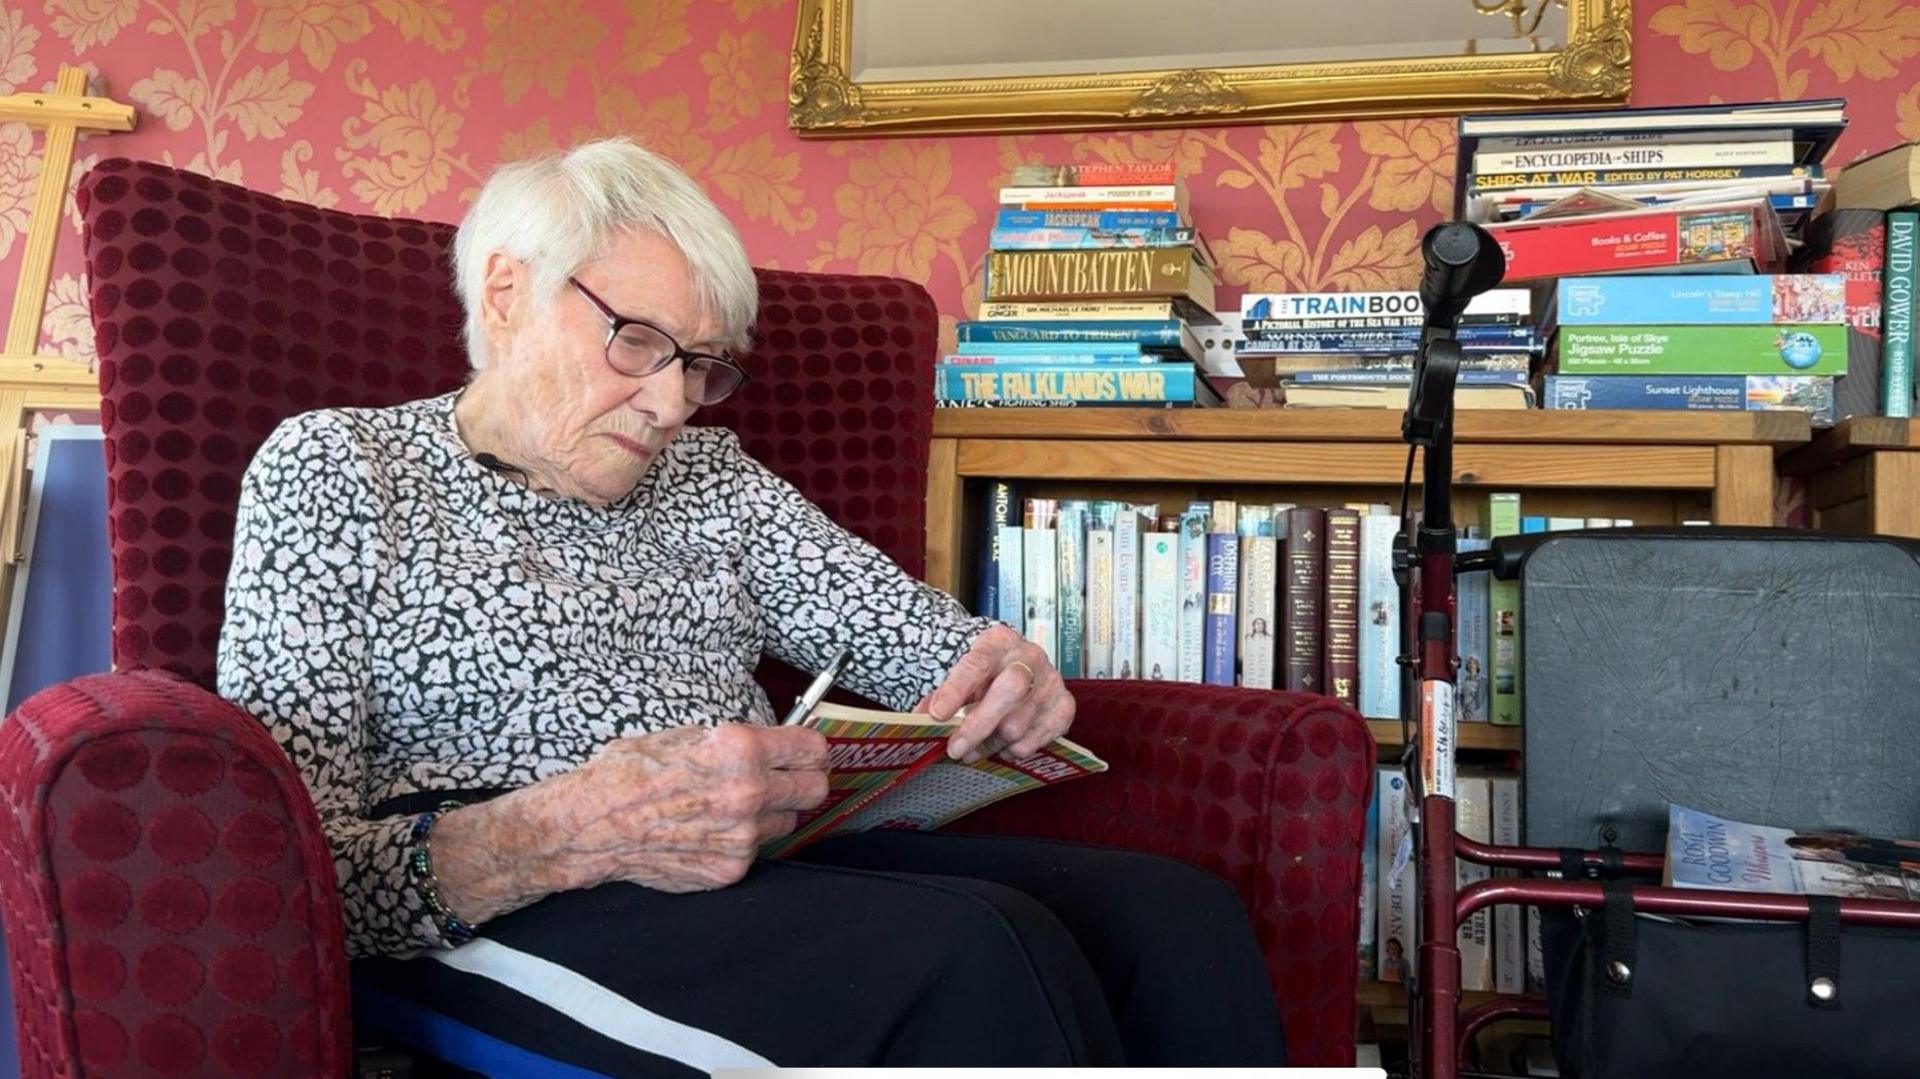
(683, 810)
(686, 810)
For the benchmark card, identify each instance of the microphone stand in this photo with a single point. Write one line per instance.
(1462, 260)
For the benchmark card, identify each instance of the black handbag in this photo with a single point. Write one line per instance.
(1638, 996)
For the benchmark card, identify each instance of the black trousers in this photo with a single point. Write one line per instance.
(891, 948)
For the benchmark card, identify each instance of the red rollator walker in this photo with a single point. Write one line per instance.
(1462, 261)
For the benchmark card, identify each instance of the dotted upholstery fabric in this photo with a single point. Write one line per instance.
(1267, 789)
(169, 895)
(218, 311)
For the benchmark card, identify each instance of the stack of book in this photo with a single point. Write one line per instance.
(1356, 349)
(1628, 222)
(1867, 235)
(1093, 277)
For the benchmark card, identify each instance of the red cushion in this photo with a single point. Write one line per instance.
(220, 311)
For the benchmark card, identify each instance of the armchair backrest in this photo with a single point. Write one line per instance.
(220, 311)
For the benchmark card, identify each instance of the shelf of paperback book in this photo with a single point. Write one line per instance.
(1863, 476)
(1647, 466)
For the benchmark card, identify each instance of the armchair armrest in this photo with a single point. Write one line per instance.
(1268, 789)
(169, 897)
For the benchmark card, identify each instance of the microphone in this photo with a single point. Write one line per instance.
(1463, 260)
(494, 464)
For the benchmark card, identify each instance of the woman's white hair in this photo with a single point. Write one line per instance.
(559, 211)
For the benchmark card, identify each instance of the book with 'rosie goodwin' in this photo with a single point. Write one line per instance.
(891, 770)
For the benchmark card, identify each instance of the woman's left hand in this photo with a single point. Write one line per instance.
(1016, 701)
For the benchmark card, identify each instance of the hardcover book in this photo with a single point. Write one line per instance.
(1174, 273)
(1853, 243)
(1302, 652)
(1342, 612)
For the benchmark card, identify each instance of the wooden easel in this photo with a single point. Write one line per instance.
(30, 382)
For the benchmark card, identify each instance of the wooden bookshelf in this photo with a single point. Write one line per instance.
(1386, 734)
(1863, 476)
(1651, 466)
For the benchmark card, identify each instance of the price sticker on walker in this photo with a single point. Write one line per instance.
(1437, 733)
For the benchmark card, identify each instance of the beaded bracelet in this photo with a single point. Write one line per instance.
(420, 868)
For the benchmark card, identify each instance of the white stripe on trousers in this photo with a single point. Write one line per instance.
(598, 1008)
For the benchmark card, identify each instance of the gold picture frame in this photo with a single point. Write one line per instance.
(1591, 68)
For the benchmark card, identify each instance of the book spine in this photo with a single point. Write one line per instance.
(1145, 383)
(1816, 394)
(1376, 377)
(1398, 892)
(1897, 316)
(1086, 219)
(1703, 300)
(1306, 554)
(1193, 595)
(1072, 559)
(1853, 243)
(1470, 638)
(1223, 625)
(1642, 156)
(1379, 618)
(1094, 197)
(972, 357)
(1258, 556)
(1261, 337)
(1126, 593)
(1484, 182)
(1509, 929)
(1160, 573)
(1078, 239)
(1507, 306)
(1608, 244)
(1013, 599)
(1369, 901)
(1123, 273)
(1042, 579)
(1002, 508)
(1116, 310)
(1503, 613)
(1099, 659)
(1154, 332)
(1475, 936)
(1797, 349)
(1341, 620)
(1094, 173)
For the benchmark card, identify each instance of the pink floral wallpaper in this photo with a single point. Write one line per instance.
(401, 107)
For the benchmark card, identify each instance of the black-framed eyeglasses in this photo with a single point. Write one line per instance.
(637, 348)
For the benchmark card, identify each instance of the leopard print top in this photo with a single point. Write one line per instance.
(403, 619)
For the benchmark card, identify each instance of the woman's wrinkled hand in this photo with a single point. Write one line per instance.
(687, 810)
(1016, 701)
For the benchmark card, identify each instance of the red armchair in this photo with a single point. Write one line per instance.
(169, 897)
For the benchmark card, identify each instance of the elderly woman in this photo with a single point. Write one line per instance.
(508, 635)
